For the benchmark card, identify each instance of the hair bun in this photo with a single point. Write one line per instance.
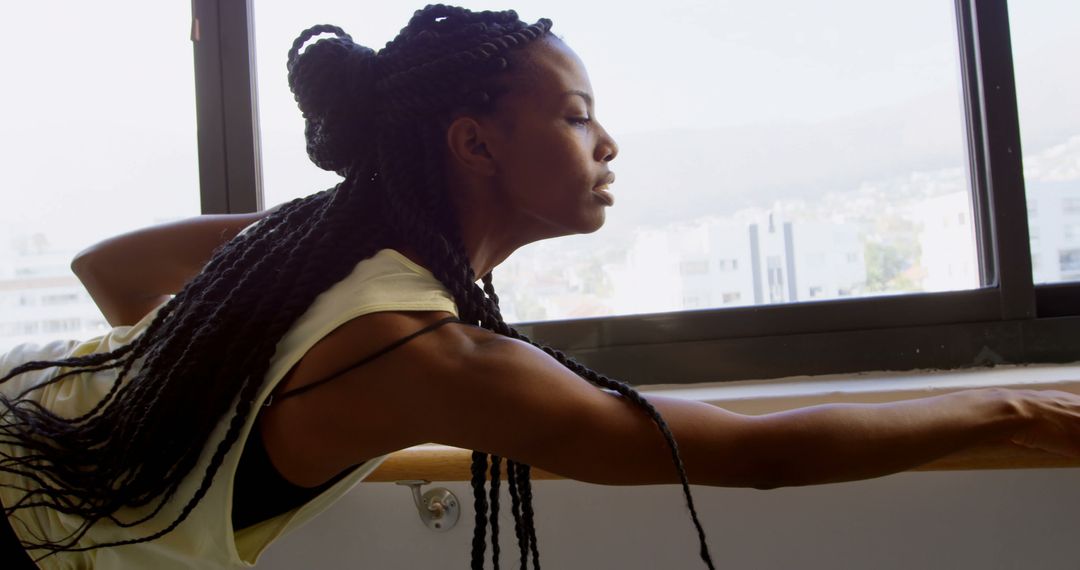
(333, 82)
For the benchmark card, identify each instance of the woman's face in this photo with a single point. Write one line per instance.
(548, 151)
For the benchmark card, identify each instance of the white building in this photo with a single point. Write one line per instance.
(947, 241)
(829, 260)
(947, 236)
(41, 300)
(1054, 230)
(752, 258)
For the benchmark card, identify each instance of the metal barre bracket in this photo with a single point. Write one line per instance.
(438, 507)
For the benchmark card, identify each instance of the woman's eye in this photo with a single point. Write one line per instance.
(579, 120)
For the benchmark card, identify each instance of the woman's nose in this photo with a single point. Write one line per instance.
(608, 149)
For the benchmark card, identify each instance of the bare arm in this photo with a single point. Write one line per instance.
(130, 274)
(514, 400)
(469, 388)
(845, 442)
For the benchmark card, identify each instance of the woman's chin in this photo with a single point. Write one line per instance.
(595, 221)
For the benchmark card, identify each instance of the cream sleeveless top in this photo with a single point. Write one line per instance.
(206, 540)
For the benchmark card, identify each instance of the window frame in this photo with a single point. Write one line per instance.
(1010, 320)
(226, 107)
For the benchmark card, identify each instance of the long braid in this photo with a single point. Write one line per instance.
(489, 289)
(377, 119)
(157, 324)
(237, 310)
(61, 501)
(243, 407)
(495, 460)
(527, 512)
(515, 508)
(479, 543)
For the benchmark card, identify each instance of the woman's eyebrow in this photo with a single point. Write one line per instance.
(588, 98)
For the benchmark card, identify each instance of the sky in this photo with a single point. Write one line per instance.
(756, 78)
(98, 134)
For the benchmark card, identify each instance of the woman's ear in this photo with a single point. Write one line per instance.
(470, 146)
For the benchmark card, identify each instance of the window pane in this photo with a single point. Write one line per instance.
(768, 154)
(1045, 45)
(98, 139)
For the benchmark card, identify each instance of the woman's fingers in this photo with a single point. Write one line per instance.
(1056, 422)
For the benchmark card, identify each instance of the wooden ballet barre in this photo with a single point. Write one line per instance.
(436, 463)
(444, 463)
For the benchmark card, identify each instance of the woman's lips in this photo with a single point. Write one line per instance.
(602, 193)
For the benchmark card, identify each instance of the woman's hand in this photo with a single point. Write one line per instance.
(1054, 424)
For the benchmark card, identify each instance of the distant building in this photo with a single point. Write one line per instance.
(41, 300)
(947, 242)
(829, 260)
(1054, 230)
(751, 258)
(947, 236)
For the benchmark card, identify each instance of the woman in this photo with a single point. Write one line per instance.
(289, 363)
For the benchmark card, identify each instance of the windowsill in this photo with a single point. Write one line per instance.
(755, 397)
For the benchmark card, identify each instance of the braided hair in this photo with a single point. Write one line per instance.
(378, 119)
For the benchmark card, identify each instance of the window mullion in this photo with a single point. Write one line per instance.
(1004, 176)
(213, 181)
(229, 174)
(241, 107)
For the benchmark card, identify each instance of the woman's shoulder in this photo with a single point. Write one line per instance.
(376, 330)
(365, 335)
(304, 435)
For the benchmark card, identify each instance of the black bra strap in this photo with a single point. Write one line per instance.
(381, 352)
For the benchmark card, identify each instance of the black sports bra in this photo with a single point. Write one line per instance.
(259, 491)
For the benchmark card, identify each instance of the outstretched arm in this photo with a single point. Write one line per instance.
(831, 443)
(514, 400)
(130, 274)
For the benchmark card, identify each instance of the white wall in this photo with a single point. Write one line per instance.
(1004, 519)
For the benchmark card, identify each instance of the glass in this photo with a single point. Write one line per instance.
(769, 153)
(98, 139)
(1045, 44)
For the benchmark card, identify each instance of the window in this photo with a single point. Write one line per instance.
(699, 300)
(1045, 42)
(53, 326)
(1071, 232)
(61, 299)
(99, 139)
(776, 279)
(899, 127)
(890, 236)
(694, 267)
(1070, 261)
